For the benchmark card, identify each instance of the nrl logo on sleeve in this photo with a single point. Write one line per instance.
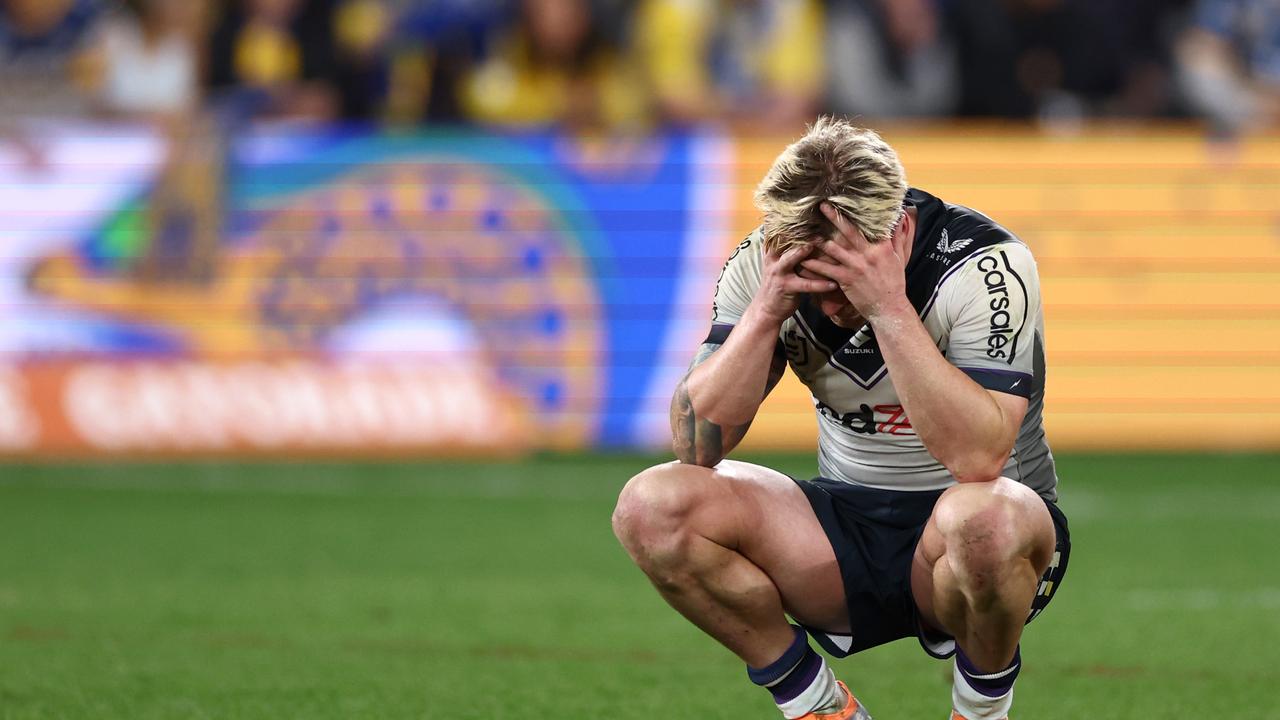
(946, 246)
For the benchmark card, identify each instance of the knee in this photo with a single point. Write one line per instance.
(993, 529)
(654, 511)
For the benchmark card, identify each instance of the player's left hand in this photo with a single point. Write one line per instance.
(872, 275)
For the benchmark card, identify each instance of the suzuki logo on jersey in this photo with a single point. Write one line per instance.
(998, 301)
(946, 246)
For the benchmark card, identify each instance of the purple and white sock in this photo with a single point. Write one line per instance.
(800, 680)
(983, 696)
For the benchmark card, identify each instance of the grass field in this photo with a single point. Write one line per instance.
(466, 590)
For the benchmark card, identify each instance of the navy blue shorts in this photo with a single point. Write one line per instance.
(874, 534)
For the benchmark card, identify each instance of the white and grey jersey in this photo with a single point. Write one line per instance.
(977, 291)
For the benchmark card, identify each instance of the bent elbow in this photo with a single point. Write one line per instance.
(977, 467)
(693, 454)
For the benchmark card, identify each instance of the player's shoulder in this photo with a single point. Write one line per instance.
(752, 243)
(744, 259)
(1001, 278)
(954, 237)
(1010, 253)
(738, 279)
(959, 221)
(964, 256)
(965, 221)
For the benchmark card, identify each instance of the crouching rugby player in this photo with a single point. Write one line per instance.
(916, 324)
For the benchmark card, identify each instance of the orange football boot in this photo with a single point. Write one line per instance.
(852, 709)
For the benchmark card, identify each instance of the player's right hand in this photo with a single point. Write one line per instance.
(780, 286)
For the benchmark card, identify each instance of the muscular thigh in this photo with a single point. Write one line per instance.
(773, 526)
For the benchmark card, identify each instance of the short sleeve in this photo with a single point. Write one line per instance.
(735, 287)
(992, 308)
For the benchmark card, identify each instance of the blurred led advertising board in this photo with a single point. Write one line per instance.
(294, 291)
(290, 291)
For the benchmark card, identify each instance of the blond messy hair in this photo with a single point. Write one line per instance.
(840, 163)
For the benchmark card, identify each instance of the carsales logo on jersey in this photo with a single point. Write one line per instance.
(998, 300)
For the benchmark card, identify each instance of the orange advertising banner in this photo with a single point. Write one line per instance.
(278, 407)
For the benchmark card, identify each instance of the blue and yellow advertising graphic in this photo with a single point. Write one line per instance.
(350, 292)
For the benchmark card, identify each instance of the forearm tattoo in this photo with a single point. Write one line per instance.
(698, 441)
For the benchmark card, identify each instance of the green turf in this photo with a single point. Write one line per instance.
(497, 591)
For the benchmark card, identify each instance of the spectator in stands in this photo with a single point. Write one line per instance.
(362, 30)
(150, 59)
(50, 61)
(1144, 32)
(890, 58)
(431, 50)
(1052, 59)
(552, 68)
(50, 57)
(1229, 63)
(754, 62)
(282, 49)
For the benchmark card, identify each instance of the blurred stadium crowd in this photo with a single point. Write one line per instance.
(637, 64)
